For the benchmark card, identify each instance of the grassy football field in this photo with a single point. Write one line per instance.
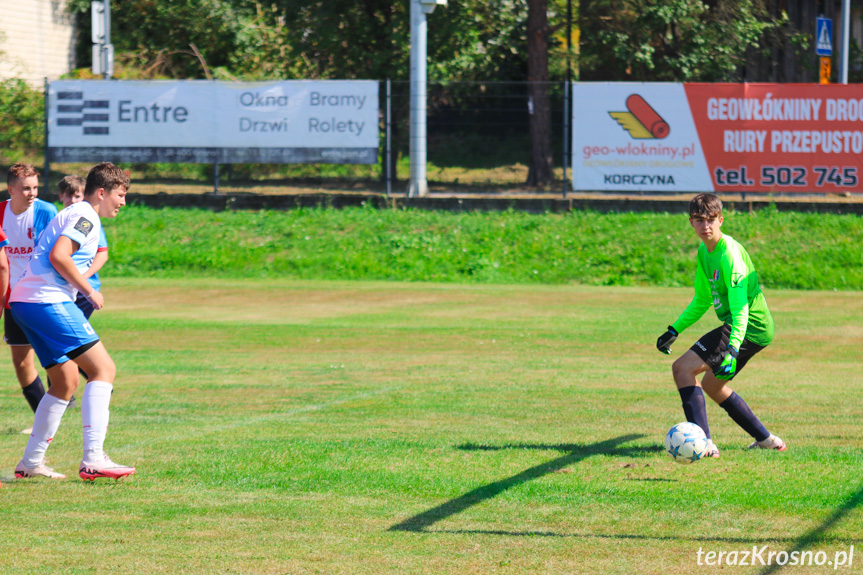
(350, 428)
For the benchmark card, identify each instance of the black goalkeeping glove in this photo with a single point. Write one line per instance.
(665, 340)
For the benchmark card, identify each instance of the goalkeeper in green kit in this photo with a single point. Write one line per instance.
(725, 279)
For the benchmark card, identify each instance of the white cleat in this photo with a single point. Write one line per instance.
(711, 451)
(41, 470)
(772, 442)
(104, 469)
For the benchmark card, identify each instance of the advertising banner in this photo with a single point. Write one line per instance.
(334, 122)
(717, 137)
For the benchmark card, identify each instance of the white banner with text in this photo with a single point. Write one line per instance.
(197, 121)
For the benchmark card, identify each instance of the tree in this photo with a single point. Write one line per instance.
(540, 172)
(21, 112)
(168, 39)
(670, 40)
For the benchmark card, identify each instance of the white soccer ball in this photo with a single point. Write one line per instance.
(685, 442)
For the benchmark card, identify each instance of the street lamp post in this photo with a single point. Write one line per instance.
(420, 9)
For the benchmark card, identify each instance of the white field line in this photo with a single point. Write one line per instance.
(225, 425)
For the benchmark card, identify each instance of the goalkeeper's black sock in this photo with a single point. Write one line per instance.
(694, 407)
(33, 393)
(743, 416)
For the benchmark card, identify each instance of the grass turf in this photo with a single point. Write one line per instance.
(361, 427)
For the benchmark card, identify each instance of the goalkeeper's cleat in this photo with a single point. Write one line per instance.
(711, 450)
(772, 442)
(104, 468)
(41, 470)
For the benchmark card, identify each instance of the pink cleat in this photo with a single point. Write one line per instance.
(772, 442)
(104, 468)
(41, 470)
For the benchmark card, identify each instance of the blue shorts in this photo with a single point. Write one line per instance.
(54, 330)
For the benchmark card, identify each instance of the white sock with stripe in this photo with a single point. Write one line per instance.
(46, 421)
(94, 418)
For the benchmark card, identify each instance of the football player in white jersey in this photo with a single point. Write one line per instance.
(43, 303)
(71, 192)
(23, 218)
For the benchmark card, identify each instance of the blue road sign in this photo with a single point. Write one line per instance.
(824, 37)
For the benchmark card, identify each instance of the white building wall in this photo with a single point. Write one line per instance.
(36, 40)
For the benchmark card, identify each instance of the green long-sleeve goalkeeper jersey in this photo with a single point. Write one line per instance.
(725, 279)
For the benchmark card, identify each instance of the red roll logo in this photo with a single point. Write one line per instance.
(641, 121)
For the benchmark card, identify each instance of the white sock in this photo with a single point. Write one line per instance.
(94, 418)
(46, 421)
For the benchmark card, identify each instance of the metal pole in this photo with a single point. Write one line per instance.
(106, 48)
(572, 128)
(568, 40)
(565, 131)
(846, 34)
(419, 50)
(216, 178)
(388, 164)
(566, 85)
(46, 177)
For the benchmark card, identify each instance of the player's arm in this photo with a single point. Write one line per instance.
(737, 282)
(101, 256)
(61, 258)
(701, 302)
(4, 275)
(99, 260)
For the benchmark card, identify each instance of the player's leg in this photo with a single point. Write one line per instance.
(95, 413)
(716, 389)
(52, 331)
(734, 405)
(46, 421)
(686, 370)
(28, 378)
(87, 308)
(22, 361)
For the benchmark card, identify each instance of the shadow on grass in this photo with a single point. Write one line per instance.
(574, 453)
(624, 536)
(423, 522)
(817, 534)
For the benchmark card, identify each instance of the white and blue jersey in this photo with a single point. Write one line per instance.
(43, 302)
(23, 231)
(41, 283)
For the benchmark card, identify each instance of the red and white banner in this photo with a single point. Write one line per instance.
(717, 137)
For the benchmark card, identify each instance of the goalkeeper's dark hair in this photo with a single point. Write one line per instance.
(105, 175)
(705, 206)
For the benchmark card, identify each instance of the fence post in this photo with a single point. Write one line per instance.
(216, 179)
(565, 132)
(388, 165)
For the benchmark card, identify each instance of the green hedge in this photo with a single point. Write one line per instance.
(790, 250)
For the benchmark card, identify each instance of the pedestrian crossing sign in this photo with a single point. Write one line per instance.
(824, 37)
